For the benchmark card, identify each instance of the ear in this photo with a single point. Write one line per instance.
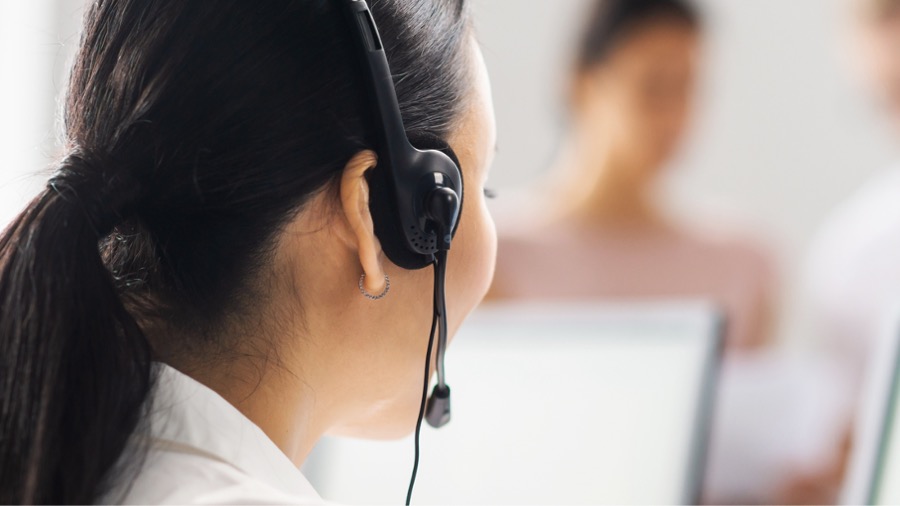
(355, 207)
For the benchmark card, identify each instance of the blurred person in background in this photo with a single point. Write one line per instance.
(853, 276)
(854, 271)
(601, 230)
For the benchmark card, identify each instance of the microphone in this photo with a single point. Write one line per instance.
(442, 209)
(437, 412)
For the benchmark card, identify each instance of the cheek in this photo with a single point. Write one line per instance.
(472, 258)
(879, 61)
(630, 127)
(601, 111)
(626, 116)
(652, 127)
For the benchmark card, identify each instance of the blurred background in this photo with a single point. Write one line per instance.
(782, 134)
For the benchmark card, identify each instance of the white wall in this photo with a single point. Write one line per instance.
(27, 43)
(783, 135)
(37, 39)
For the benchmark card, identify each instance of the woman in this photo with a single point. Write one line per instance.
(600, 230)
(199, 294)
(852, 278)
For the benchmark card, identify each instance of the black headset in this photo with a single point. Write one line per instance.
(415, 200)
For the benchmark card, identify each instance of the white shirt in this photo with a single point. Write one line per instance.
(202, 450)
(854, 269)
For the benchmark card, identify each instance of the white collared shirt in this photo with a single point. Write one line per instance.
(202, 450)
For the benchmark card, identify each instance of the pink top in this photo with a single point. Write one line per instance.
(567, 261)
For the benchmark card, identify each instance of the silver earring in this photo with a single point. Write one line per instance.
(362, 288)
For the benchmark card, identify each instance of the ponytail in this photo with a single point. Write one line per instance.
(74, 365)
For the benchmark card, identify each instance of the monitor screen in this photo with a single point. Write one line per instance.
(590, 405)
(872, 476)
(886, 482)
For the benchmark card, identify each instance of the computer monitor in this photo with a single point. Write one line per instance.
(886, 485)
(874, 475)
(554, 404)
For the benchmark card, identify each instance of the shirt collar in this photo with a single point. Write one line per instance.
(186, 413)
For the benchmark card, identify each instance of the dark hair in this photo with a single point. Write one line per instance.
(194, 131)
(612, 20)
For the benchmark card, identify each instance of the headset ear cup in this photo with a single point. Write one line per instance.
(384, 207)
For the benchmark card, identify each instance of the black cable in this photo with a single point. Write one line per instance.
(440, 307)
(434, 321)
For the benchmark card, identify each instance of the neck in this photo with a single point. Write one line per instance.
(279, 401)
(603, 189)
